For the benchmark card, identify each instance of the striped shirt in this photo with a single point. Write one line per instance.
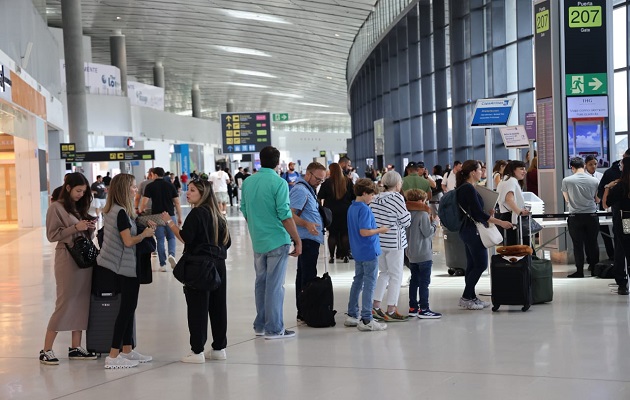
(389, 210)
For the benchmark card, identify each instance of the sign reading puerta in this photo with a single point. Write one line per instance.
(245, 132)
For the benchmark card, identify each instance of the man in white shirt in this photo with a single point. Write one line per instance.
(450, 180)
(220, 181)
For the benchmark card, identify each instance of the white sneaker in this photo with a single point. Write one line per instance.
(372, 326)
(485, 304)
(135, 356)
(163, 269)
(172, 261)
(193, 358)
(351, 321)
(119, 362)
(469, 304)
(216, 354)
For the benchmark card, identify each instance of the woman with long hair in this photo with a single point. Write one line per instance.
(531, 179)
(511, 201)
(617, 196)
(476, 254)
(205, 220)
(118, 254)
(498, 171)
(337, 193)
(67, 219)
(437, 192)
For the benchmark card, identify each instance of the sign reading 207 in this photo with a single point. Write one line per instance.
(585, 17)
(542, 21)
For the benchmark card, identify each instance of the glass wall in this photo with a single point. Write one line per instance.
(424, 77)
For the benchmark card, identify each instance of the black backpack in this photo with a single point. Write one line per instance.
(317, 301)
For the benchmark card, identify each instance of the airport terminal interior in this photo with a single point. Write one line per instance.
(110, 87)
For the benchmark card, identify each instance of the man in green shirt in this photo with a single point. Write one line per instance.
(414, 180)
(265, 206)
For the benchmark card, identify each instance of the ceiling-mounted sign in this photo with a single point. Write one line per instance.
(245, 132)
(145, 95)
(281, 117)
(5, 83)
(102, 156)
(322, 153)
(67, 150)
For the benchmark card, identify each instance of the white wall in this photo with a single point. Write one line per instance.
(304, 146)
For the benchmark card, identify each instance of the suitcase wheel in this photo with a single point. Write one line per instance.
(459, 272)
(525, 308)
(495, 308)
(451, 271)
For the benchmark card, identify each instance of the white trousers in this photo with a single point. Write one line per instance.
(390, 266)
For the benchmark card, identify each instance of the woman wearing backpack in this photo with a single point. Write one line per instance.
(476, 254)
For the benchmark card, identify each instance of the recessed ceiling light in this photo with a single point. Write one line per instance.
(337, 35)
(293, 96)
(118, 18)
(255, 16)
(329, 77)
(252, 73)
(314, 105)
(332, 113)
(295, 121)
(242, 50)
(254, 85)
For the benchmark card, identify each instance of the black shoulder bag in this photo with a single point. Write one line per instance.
(197, 268)
(324, 212)
(83, 252)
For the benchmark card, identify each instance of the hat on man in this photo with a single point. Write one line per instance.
(411, 164)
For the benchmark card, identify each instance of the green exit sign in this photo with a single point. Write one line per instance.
(281, 117)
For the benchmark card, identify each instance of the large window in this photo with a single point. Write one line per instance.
(620, 63)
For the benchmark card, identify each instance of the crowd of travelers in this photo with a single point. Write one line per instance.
(382, 222)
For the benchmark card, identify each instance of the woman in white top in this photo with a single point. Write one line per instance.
(511, 201)
(498, 171)
(390, 210)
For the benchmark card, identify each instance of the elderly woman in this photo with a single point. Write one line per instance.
(389, 210)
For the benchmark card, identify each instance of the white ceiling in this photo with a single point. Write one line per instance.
(306, 55)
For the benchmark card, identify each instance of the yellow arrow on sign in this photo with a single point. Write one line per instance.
(228, 118)
(596, 83)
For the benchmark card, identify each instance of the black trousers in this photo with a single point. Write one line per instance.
(341, 242)
(123, 329)
(306, 267)
(622, 259)
(203, 304)
(608, 241)
(584, 229)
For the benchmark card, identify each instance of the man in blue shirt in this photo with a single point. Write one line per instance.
(291, 176)
(306, 215)
(265, 206)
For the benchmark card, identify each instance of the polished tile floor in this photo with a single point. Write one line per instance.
(577, 347)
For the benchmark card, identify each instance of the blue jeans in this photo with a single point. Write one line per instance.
(420, 280)
(161, 232)
(365, 273)
(476, 260)
(271, 268)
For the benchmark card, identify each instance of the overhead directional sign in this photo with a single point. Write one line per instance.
(67, 150)
(245, 132)
(102, 156)
(281, 117)
(586, 84)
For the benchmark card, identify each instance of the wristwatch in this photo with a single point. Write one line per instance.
(169, 222)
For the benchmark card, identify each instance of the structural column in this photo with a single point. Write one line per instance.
(195, 94)
(118, 53)
(158, 74)
(75, 77)
(229, 106)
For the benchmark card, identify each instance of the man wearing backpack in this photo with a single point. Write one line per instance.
(304, 206)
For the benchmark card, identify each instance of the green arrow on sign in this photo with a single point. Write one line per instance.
(281, 117)
(586, 84)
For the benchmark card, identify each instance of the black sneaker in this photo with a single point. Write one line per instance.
(79, 353)
(623, 291)
(48, 358)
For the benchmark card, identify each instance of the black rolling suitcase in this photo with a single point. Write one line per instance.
(104, 306)
(511, 280)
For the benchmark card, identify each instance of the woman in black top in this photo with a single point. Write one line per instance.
(337, 192)
(476, 254)
(617, 196)
(205, 218)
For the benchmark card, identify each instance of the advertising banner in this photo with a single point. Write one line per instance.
(145, 95)
(99, 78)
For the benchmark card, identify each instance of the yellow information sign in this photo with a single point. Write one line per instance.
(585, 17)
